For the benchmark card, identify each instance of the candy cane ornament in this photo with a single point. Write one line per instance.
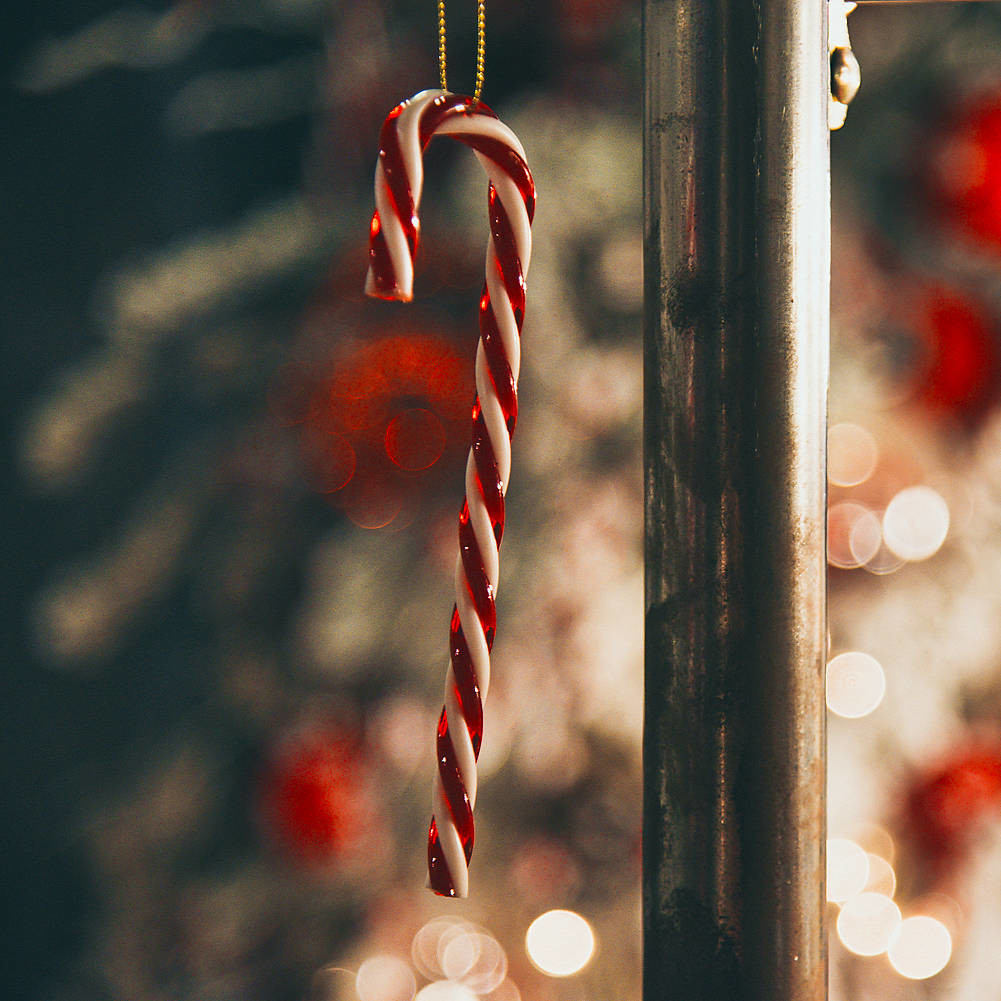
(399, 176)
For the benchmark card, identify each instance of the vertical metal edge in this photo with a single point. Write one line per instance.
(737, 258)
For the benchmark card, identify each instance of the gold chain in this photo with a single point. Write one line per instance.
(441, 44)
(481, 34)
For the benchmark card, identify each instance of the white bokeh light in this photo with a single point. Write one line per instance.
(458, 954)
(855, 684)
(884, 561)
(865, 539)
(847, 869)
(474, 959)
(854, 535)
(852, 454)
(920, 947)
(916, 523)
(877, 840)
(559, 943)
(427, 945)
(867, 923)
(385, 978)
(445, 990)
(882, 878)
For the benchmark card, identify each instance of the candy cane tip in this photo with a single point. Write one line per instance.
(451, 893)
(392, 293)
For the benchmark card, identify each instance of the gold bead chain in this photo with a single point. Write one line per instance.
(481, 32)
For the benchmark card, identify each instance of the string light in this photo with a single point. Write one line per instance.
(916, 523)
(847, 869)
(472, 958)
(560, 943)
(856, 684)
(920, 947)
(867, 923)
(427, 945)
(854, 535)
(852, 454)
(385, 978)
(882, 878)
(445, 990)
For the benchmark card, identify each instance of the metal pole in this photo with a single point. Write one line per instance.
(737, 263)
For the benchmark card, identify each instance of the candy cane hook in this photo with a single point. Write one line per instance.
(399, 176)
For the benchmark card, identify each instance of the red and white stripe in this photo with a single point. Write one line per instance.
(394, 235)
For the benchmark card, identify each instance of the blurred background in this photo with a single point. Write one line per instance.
(232, 489)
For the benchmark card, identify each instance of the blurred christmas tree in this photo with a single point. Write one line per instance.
(236, 491)
(235, 484)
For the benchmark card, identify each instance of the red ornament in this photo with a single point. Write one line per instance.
(378, 419)
(317, 798)
(960, 374)
(945, 805)
(962, 174)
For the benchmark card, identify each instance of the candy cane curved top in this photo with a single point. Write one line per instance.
(395, 228)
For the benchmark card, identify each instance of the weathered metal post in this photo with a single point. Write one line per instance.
(737, 276)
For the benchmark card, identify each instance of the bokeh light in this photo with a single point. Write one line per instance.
(445, 990)
(505, 991)
(855, 684)
(544, 869)
(415, 439)
(945, 805)
(375, 418)
(853, 535)
(427, 944)
(884, 561)
(317, 802)
(559, 943)
(867, 922)
(865, 539)
(882, 878)
(877, 840)
(852, 454)
(959, 375)
(385, 978)
(958, 170)
(916, 523)
(962, 176)
(847, 869)
(920, 947)
(332, 460)
(475, 959)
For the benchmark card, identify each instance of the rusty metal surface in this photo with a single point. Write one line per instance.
(737, 275)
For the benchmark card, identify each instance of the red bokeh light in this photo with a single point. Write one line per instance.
(376, 419)
(544, 869)
(961, 176)
(944, 806)
(960, 374)
(415, 439)
(316, 797)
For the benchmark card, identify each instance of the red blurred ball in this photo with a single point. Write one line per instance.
(317, 797)
(958, 375)
(945, 805)
(962, 171)
(377, 421)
